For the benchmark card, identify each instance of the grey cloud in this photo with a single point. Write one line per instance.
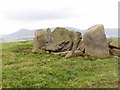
(38, 14)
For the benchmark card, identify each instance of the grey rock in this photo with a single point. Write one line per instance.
(60, 40)
(115, 52)
(95, 42)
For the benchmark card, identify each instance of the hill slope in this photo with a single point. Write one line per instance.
(24, 69)
(21, 33)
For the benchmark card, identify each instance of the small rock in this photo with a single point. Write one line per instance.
(115, 52)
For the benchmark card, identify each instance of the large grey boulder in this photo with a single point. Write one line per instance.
(60, 40)
(95, 42)
(42, 37)
(63, 40)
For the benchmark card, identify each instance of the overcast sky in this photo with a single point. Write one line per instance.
(35, 14)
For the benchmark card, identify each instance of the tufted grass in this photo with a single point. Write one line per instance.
(24, 69)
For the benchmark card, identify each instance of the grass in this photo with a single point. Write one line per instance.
(24, 69)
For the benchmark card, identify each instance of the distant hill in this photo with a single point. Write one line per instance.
(111, 32)
(21, 33)
(26, 34)
(30, 33)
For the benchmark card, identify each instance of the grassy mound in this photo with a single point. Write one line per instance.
(24, 69)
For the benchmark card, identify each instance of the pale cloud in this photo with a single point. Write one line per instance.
(32, 14)
(38, 14)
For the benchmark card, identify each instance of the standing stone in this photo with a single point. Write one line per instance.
(95, 42)
(42, 37)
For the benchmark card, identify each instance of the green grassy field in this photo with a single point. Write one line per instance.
(24, 69)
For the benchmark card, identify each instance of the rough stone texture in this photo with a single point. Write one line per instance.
(114, 48)
(95, 42)
(63, 40)
(78, 53)
(115, 43)
(115, 52)
(81, 46)
(63, 54)
(42, 37)
(59, 40)
(67, 43)
(109, 41)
